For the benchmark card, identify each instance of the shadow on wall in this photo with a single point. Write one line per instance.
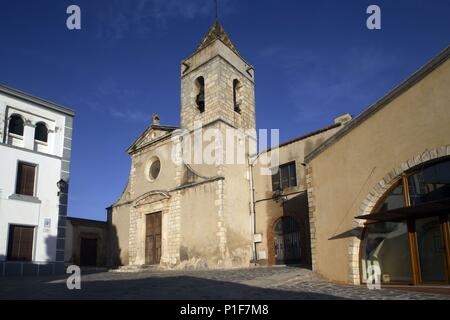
(297, 207)
(355, 232)
(113, 249)
(50, 248)
(154, 288)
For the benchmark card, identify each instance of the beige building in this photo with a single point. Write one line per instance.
(281, 202)
(379, 189)
(86, 242)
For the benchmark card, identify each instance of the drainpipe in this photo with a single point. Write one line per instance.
(251, 163)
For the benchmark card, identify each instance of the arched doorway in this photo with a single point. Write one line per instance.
(287, 241)
(407, 235)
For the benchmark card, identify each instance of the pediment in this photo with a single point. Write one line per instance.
(151, 197)
(152, 133)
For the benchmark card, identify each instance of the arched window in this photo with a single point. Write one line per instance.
(16, 125)
(41, 132)
(410, 218)
(200, 98)
(236, 102)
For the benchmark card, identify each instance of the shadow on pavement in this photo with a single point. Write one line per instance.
(164, 288)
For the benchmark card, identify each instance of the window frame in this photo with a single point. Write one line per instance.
(18, 181)
(16, 115)
(150, 162)
(46, 134)
(411, 224)
(9, 246)
(287, 165)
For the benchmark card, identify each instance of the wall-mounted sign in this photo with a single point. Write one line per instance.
(47, 224)
(257, 237)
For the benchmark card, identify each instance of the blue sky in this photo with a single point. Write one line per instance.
(314, 60)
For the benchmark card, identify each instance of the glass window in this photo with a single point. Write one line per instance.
(276, 180)
(16, 125)
(431, 183)
(394, 200)
(431, 250)
(386, 246)
(41, 132)
(286, 177)
(155, 169)
(292, 175)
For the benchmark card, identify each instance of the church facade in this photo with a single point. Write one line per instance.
(174, 212)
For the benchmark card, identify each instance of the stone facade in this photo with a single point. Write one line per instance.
(204, 223)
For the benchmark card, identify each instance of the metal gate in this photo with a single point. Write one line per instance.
(287, 241)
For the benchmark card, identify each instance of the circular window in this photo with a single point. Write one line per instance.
(153, 169)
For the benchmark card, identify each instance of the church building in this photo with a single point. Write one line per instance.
(198, 214)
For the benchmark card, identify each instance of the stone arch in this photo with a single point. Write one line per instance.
(237, 96)
(16, 117)
(200, 94)
(375, 195)
(151, 197)
(271, 234)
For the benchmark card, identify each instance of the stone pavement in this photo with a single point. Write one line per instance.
(243, 284)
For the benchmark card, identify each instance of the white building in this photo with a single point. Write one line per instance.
(35, 149)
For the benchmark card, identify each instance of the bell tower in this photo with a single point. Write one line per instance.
(217, 84)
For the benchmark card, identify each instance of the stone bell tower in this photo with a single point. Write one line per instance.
(217, 84)
(217, 91)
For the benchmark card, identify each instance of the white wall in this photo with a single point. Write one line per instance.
(49, 162)
(27, 213)
(33, 114)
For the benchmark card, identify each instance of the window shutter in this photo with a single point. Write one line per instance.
(284, 177)
(276, 181)
(20, 244)
(25, 179)
(26, 244)
(292, 175)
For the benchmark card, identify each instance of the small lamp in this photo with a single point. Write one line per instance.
(62, 186)
(278, 195)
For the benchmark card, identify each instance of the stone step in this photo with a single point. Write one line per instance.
(142, 268)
